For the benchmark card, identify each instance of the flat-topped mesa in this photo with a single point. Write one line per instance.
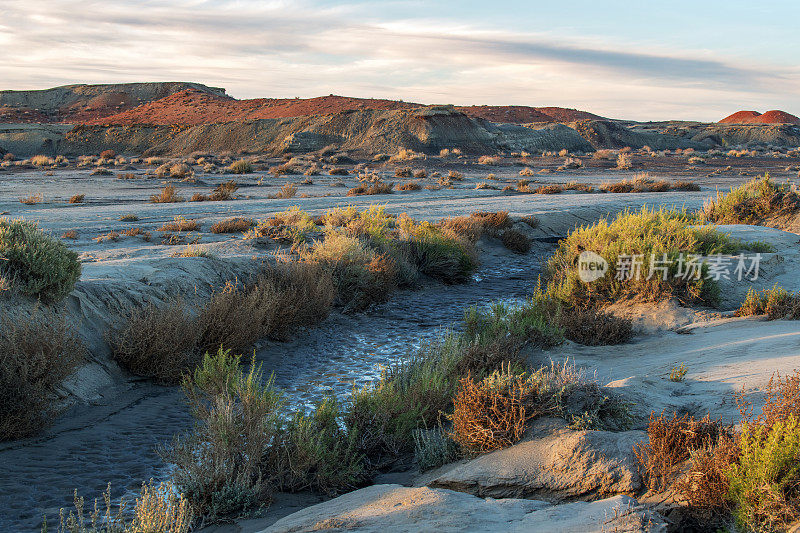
(81, 102)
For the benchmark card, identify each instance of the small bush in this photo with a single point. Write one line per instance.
(130, 217)
(493, 413)
(777, 303)
(288, 190)
(35, 263)
(32, 199)
(37, 352)
(409, 186)
(42, 161)
(516, 241)
(752, 203)
(168, 195)
(316, 452)
(77, 198)
(232, 225)
(180, 224)
(660, 234)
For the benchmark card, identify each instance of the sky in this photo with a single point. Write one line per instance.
(642, 60)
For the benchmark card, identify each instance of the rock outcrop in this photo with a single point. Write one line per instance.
(390, 508)
(553, 463)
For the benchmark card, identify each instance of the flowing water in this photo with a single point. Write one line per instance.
(343, 351)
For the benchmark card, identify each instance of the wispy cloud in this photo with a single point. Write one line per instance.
(289, 48)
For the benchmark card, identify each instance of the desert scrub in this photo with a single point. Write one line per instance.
(157, 510)
(35, 263)
(37, 352)
(167, 195)
(777, 303)
(290, 226)
(232, 225)
(218, 465)
(752, 203)
(659, 238)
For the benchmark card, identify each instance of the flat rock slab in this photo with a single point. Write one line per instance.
(390, 508)
(554, 463)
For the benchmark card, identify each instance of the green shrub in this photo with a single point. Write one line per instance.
(35, 263)
(663, 234)
(764, 485)
(777, 303)
(752, 203)
(219, 464)
(434, 448)
(316, 452)
(409, 395)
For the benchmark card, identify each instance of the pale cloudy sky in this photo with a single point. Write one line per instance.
(642, 60)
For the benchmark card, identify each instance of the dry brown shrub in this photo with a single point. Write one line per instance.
(670, 443)
(306, 293)
(409, 186)
(493, 413)
(108, 154)
(180, 224)
(199, 197)
(553, 188)
(224, 191)
(495, 220)
(516, 241)
(338, 172)
(376, 188)
(288, 190)
(158, 342)
(111, 236)
(470, 228)
(232, 225)
(32, 199)
(77, 198)
(70, 234)
(704, 484)
(683, 185)
(531, 221)
(168, 195)
(480, 359)
(782, 400)
(234, 318)
(593, 327)
(404, 172)
(137, 232)
(617, 187)
(420, 174)
(37, 352)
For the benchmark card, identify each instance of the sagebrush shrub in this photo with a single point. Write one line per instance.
(36, 263)
(157, 341)
(37, 352)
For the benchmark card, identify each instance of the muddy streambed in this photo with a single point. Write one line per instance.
(118, 445)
